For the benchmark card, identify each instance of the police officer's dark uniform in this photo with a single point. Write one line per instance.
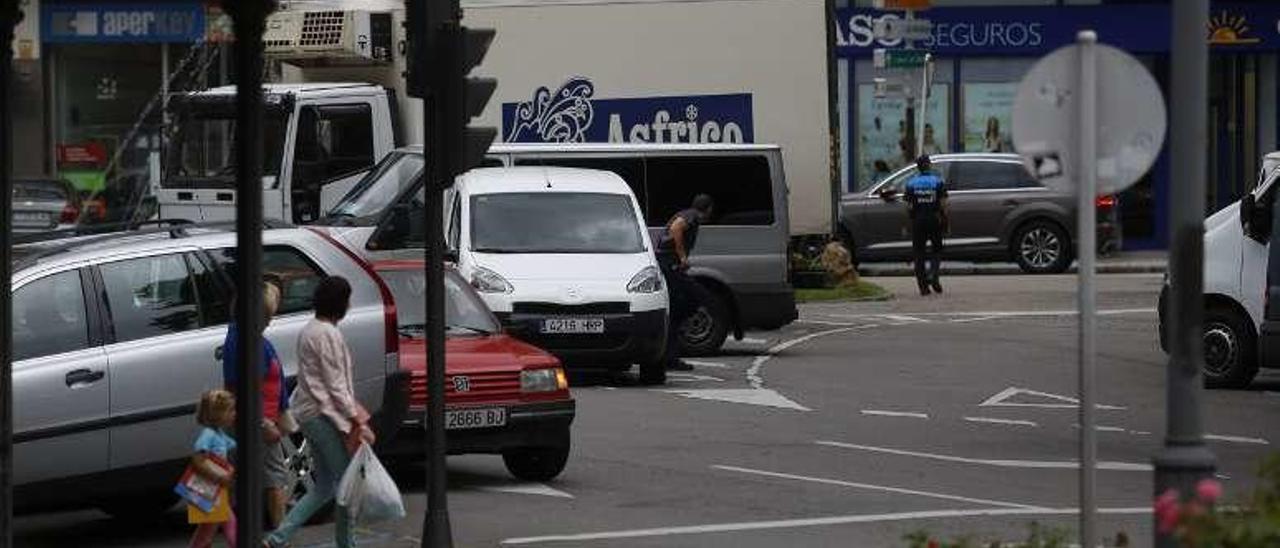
(683, 292)
(926, 196)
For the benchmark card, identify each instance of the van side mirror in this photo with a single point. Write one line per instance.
(393, 229)
(1255, 218)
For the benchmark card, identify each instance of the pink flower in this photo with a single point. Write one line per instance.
(1167, 511)
(1209, 490)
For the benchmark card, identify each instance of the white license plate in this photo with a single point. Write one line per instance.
(28, 217)
(573, 325)
(479, 417)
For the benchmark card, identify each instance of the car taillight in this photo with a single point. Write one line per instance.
(70, 214)
(1105, 202)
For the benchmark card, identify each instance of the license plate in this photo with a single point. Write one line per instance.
(573, 325)
(479, 417)
(29, 217)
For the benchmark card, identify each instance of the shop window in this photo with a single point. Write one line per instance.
(882, 144)
(988, 117)
(740, 185)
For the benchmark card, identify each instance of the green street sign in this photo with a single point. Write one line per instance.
(900, 58)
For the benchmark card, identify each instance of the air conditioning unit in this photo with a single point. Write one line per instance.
(333, 37)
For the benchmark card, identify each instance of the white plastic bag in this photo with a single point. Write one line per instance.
(367, 491)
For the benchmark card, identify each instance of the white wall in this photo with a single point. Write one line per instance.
(772, 49)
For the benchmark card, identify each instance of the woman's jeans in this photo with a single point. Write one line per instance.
(329, 457)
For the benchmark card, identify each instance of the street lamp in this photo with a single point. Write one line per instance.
(249, 17)
(9, 17)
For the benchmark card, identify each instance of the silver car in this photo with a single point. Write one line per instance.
(44, 204)
(116, 336)
(997, 211)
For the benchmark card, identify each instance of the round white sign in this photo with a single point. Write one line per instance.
(1130, 127)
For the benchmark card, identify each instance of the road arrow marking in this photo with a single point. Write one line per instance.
(749, 396)
(528, 489)
(1063, 402)
(1000, 463)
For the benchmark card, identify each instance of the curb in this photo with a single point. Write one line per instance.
(1002, 269)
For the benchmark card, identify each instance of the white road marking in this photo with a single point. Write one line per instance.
(868, 486)
(1001, 463)
(690, 377)
(753, 373)
(824, 322)
(1236, 439)
(991, 420)
(752, 340)
(1102, 428)
(532, 488)
(899, 319)
(1064, 402)
(973, 319)
(817, 522)
(749, 396)
(700, 363)
(1002, 313)
(880, 413)
(1140, 432)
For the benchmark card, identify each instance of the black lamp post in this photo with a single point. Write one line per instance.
(9, 17)
(249, 17)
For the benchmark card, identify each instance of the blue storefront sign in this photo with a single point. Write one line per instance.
(179, 21)
(1036, 30)
(573, 113)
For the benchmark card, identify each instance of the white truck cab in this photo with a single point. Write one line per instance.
(319, 139)
(1237, 330)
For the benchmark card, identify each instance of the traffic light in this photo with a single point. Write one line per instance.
(474, 94)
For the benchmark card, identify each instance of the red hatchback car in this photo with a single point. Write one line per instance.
(502, 396)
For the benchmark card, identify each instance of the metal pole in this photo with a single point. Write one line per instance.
(1185, 459)
(924, 104)
(249, 17)
(1087, 148)
(9, 16)
(443, 19)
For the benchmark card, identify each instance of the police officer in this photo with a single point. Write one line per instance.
(926, 197)
(677, 243)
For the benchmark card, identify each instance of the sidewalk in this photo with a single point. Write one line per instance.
(1124, 262)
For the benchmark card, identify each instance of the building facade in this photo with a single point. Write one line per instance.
(983, 50)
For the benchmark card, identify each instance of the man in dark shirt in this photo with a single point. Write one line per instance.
(926, 197)
(673, 252)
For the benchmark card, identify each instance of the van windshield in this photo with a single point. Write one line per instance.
(374, 193)
(555, 222)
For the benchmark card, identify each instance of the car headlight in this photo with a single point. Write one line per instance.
(488, 281)
(548, 379)
(648, 280)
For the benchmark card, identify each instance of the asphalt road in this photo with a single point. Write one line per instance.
(852, 427)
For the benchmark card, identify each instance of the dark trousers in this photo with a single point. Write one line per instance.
(682, 292)
(924, 231)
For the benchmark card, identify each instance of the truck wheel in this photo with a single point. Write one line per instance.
(703, 333)
(1230, 350)
(537, 463)
(1042, 247)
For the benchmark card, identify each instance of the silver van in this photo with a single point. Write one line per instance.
(115, 337)
(741, 256)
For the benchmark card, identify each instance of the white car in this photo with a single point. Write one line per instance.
(563, 258)
(1238, 338)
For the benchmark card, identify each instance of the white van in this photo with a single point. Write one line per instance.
(562, 257)
(1238, 338)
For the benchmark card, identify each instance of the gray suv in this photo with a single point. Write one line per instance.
(998, 211)
(115, 337)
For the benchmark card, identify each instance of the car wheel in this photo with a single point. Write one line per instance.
(139, 507)
(704, 332)
(537, 463)
(1230, 353)
(1042, 247)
